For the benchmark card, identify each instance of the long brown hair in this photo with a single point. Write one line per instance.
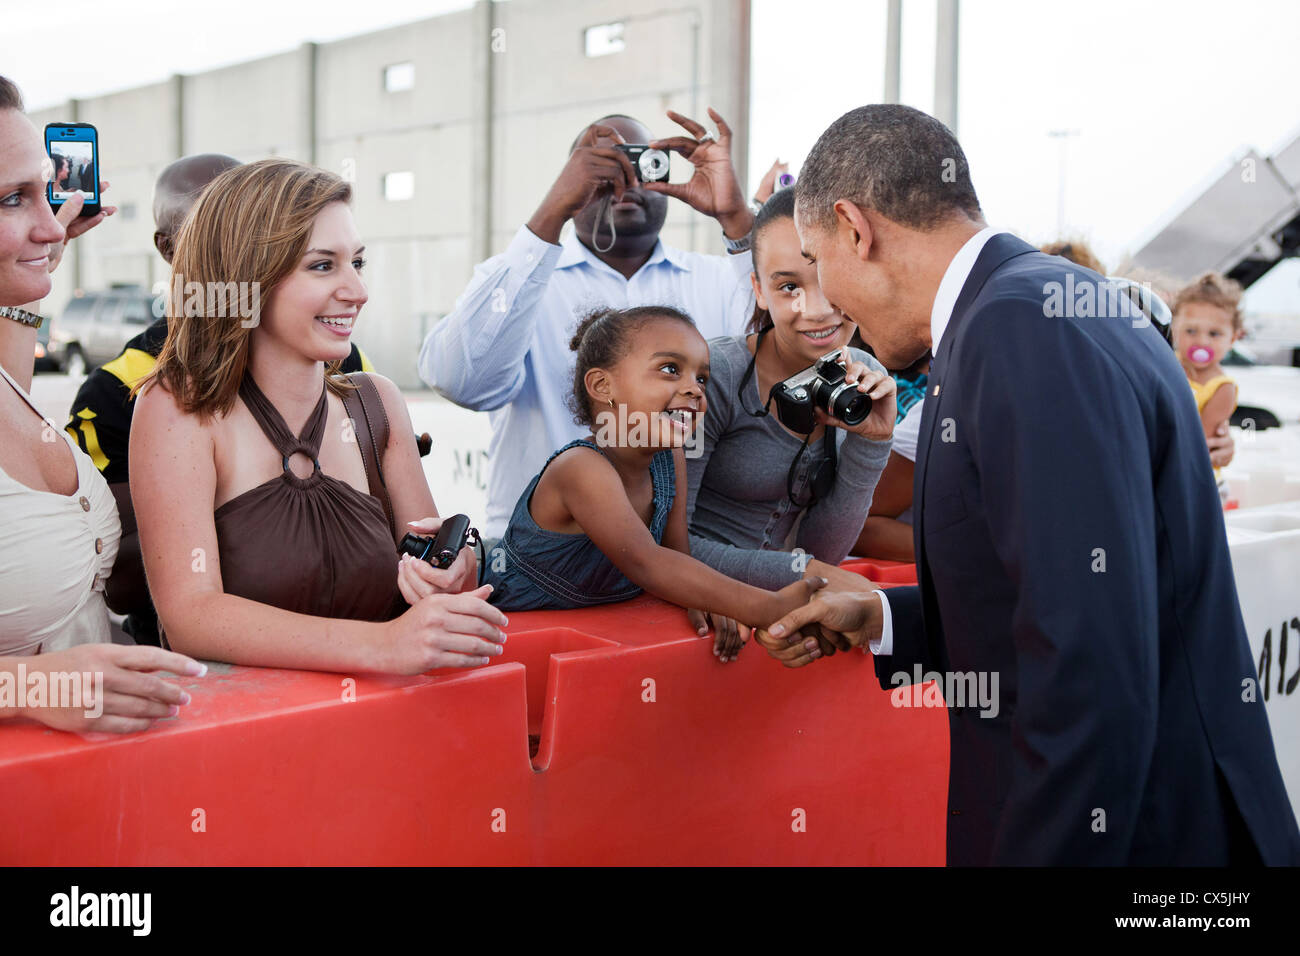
(251, 225)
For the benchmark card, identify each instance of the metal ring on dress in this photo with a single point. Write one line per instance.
(284, 462)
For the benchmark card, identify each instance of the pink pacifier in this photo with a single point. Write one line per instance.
(1199, 354)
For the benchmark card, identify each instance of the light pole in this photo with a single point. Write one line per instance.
(893, 49)
(1064, 136)
(945, 63)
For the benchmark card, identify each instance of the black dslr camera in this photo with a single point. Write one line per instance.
(651, 165)
(820, 386)
(454, 534)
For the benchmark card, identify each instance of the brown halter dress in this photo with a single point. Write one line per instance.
(313, 545)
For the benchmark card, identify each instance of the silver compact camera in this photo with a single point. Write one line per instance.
(651, 165)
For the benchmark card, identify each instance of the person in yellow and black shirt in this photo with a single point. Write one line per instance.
(100, 422)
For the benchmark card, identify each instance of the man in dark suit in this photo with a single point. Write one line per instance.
(1070, 548)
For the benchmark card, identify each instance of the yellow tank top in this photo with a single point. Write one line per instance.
(1205, 392)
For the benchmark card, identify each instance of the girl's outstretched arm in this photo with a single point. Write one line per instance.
(729, 636)
(592, 492)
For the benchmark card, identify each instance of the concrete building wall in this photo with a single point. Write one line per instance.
(500, 91)
(251, 110)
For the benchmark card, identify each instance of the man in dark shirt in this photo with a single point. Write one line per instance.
(101, 414)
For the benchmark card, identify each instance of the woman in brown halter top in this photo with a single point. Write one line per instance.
(261, 539)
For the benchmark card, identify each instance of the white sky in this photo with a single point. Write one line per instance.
(1163, 92)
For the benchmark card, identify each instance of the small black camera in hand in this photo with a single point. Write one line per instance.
(821, 386)
(454, 534)
(651, 165)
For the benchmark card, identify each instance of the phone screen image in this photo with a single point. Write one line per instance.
(74, 163)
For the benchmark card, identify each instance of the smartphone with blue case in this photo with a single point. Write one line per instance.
(73, 149)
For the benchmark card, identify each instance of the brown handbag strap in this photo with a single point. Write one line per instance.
(370, 427)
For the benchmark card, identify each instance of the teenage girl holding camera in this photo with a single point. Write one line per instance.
(760, 490)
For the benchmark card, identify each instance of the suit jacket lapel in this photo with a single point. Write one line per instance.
(996, 251)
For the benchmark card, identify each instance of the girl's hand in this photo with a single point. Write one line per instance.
(883, 390)
(840, 579)
(767, 185)
(795, 596)
(853, 617)
(418, 579)
(133, 696)
(729, 635)
(445, 630)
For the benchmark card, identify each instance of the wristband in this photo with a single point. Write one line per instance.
(737, 245)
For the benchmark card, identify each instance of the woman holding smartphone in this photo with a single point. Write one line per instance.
(264, 535)
(58, 521)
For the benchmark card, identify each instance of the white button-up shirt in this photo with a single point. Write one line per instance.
(504, 348)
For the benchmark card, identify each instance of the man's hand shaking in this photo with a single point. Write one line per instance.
(843, 618)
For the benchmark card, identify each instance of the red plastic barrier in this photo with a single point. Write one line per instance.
(881, 571)
(648, 751)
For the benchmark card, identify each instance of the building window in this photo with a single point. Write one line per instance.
(399, 186)
(604, 39)
(399, 76)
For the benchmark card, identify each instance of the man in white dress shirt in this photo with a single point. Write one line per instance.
(505, 346)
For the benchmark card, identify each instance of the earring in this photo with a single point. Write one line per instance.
(611, 403)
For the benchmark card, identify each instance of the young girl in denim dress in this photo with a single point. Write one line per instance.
(603, 520)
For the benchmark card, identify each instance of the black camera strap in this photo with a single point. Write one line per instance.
(823, 477)
(749, 373)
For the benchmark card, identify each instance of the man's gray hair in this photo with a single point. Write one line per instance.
(902, 163)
